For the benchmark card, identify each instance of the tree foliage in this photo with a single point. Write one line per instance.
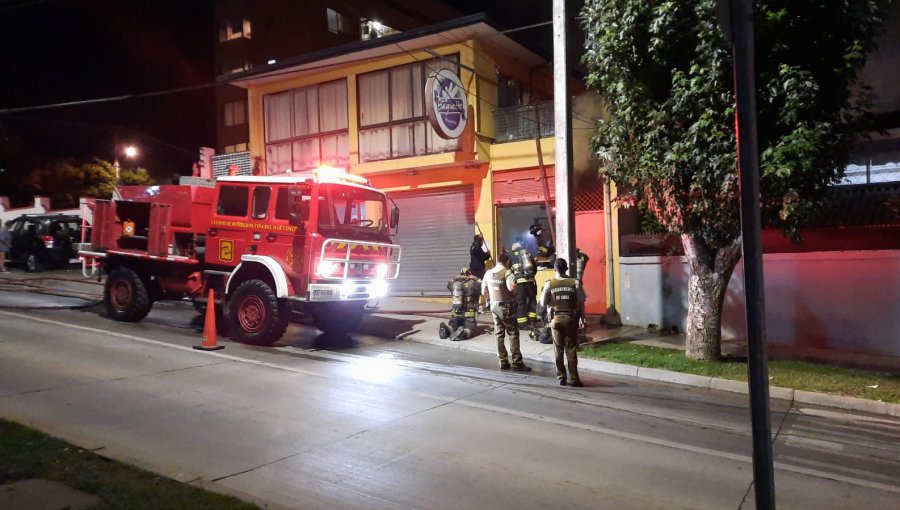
(665, 70)
(65, 181)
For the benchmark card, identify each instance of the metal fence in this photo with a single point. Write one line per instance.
(517, 122)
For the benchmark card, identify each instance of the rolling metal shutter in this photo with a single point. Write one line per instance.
(436, 229)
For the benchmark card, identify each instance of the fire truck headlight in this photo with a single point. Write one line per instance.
(330, 269)
(381, 270)
(379, 289)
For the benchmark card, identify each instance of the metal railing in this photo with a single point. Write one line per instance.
(517, 122)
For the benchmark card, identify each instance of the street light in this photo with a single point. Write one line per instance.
(131, 151)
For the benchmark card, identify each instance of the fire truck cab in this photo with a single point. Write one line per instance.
(315, 242)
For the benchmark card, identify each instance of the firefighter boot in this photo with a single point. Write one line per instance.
(455, 336)
(443, 331)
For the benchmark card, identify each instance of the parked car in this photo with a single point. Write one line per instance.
(44, 240)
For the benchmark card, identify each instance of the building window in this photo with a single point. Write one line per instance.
(238, 147)
(307, 127)
(392, 118)
(234, 65)
(337, 23)
(236, 113)
(371, 29)
(234, 28)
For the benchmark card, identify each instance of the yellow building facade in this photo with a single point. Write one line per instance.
(362, 107)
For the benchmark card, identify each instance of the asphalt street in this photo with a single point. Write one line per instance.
(379, 423)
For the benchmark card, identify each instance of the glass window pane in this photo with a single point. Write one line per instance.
(306, 154)
(418, 91)
(261, 202)
(374, 144)
(278, 158)
(401, 93)
(301, 113)
(233, 200)
(278, 116)
(333, 106)
(373, 89)
(419, 138)
(402, 140)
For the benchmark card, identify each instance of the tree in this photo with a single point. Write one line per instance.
(665, 71)
(65, 182)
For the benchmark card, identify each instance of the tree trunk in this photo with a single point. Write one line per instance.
(710, 273)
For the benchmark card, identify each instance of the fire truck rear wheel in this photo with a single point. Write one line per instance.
(125, 296)
(256, 315)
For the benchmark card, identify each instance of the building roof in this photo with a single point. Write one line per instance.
(476, 26)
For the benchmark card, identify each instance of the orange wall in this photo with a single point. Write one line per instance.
(589, 231)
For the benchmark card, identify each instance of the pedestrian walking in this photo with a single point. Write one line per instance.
(526, 289)
(465, 290)
(5, 245)
(478, 255)
(565, 299)
(499, 285)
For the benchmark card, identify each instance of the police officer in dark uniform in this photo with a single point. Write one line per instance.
(499, 286)
(526, 289)
(565, 297)
(466, 291)
(478, 255)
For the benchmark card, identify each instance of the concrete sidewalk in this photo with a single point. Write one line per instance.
(422, 316)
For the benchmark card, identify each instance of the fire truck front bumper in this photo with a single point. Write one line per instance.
(348, 290)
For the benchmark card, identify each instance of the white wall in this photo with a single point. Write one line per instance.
(842, 301)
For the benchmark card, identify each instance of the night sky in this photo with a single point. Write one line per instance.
(54, 51)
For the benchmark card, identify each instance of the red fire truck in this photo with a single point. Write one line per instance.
(318, 243)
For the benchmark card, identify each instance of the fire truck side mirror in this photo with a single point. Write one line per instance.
(395, 217)
(299, 209)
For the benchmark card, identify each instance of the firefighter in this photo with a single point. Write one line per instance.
(499, 286)
(546, 250)
(526, 290)
(465, 290)
(565, 298)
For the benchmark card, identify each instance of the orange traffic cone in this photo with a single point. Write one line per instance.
(209, 326)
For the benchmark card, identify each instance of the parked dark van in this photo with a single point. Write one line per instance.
(44, 240)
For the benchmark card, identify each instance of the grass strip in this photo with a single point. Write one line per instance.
(26, 453)
(799, 375)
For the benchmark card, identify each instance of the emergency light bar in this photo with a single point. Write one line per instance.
(333, 174)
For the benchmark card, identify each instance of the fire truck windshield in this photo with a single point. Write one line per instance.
(348, 210)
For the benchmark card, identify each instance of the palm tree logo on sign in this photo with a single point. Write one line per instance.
(447, 103)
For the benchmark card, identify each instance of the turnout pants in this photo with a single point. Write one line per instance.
(465, 320)
(505, 324)
(565, 340)
(526, 303)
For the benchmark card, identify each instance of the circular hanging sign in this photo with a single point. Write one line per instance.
(446, 103)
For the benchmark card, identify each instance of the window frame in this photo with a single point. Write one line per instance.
(319, 136)
(232, 107)
(453, 146)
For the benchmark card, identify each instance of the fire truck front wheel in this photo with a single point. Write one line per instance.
(125, 295)
(256, 315)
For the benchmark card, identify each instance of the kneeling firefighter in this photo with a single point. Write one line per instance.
(466, 291)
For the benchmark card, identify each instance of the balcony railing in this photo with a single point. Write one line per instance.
(517, 122)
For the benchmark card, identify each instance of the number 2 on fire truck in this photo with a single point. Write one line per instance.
(226, 250)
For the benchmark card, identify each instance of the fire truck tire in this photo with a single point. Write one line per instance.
(256, 315)
(336, 319)
(125, 296)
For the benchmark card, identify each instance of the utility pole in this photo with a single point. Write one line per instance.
(562, 114)
(740, 15)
